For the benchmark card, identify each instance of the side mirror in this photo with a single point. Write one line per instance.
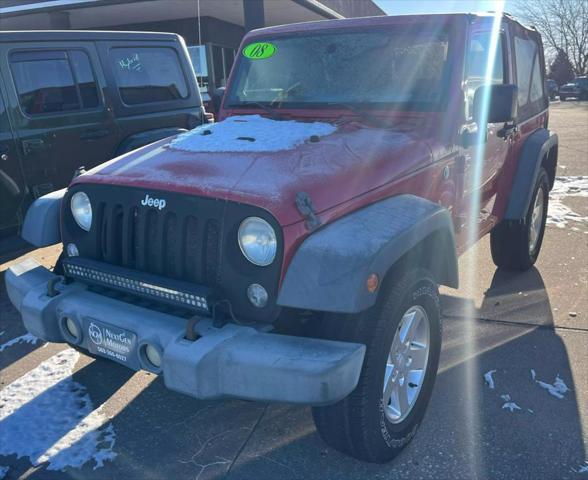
(217, 99)
(501, 101)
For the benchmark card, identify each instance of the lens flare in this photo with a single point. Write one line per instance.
(472, 381)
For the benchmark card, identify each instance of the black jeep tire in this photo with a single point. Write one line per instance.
(512, 243)
(359, 425)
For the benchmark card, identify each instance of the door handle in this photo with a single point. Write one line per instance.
(95, 134)
(33, 145)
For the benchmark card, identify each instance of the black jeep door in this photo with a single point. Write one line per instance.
(61, 117)
(12, 188)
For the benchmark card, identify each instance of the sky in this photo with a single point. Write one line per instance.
(403, 7)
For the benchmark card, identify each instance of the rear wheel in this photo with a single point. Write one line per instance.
(403, 336)
(516, 245)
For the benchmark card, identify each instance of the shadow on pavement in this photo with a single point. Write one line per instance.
(13, 247)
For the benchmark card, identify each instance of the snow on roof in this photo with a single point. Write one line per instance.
(250, 133)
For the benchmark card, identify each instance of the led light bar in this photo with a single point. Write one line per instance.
(145, 285)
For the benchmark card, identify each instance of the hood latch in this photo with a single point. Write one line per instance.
(306, 208)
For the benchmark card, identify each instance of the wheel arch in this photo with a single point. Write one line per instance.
(539, 150)
(330, 269)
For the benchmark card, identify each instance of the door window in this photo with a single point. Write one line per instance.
(531, 98)
(148, 75)
(56, 81)
(477, 66)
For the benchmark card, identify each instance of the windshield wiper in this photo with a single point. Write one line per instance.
(273, 113)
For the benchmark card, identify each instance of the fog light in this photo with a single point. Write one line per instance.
(72, 328)
(257, 295)
(153, 355)
(72, 250)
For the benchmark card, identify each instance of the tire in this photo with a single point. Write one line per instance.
(562, 98)
(360, 425)
(513, 244)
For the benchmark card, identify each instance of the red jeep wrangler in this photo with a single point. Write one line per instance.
(292, 251)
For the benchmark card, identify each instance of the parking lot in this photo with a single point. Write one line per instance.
(528, 340)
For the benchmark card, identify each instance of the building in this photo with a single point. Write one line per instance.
(212, 29)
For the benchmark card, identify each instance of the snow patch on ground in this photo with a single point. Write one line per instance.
(47, 416)
(3, 472)
(557, 389)
(488, 379)
(512, 406)
(249, 133)
(28, 338)
(559, 214)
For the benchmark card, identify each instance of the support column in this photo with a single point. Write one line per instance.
(254, 14)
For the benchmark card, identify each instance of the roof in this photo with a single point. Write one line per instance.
(81, 35)
(376, 21)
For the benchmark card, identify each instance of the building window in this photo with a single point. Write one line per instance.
(222, 61)
(148, 75)
(198, 58)
(54, 81)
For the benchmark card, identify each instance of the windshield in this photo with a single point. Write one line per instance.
(392, 68)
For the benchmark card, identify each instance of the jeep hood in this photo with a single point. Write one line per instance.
(350, 160)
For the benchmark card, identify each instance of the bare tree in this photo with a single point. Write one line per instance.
(563, 25)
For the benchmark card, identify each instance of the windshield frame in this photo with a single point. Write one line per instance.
(440, 105)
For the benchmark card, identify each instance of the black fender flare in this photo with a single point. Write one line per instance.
(41, 225)
(329, 270)
(535, 149)
(141, 139)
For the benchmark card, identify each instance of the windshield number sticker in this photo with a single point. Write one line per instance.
(259, 50)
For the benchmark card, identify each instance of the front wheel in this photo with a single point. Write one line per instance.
(402, 334)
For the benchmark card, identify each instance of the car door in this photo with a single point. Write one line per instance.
(12, 187)
(61, 118)
(484, 161)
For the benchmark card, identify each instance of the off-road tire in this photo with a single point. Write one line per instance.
(509, 240)
(357, 425)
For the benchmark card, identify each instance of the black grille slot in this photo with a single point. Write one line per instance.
(182, 247)
(210, 257)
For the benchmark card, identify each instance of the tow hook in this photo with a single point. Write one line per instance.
(51, 290)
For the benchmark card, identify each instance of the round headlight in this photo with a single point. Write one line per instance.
(81, 210)
(257, 240)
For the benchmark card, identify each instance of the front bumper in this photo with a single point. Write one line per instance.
(232, 361)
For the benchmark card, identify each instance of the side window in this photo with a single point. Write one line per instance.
(479, 51)
(536, 84)
(44, 82)
(53, 81)
(148, 75)
(529, 76)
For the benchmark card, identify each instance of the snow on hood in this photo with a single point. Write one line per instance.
(47, 416)
(250, 133)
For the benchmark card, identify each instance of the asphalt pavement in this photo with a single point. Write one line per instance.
(528, 335)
